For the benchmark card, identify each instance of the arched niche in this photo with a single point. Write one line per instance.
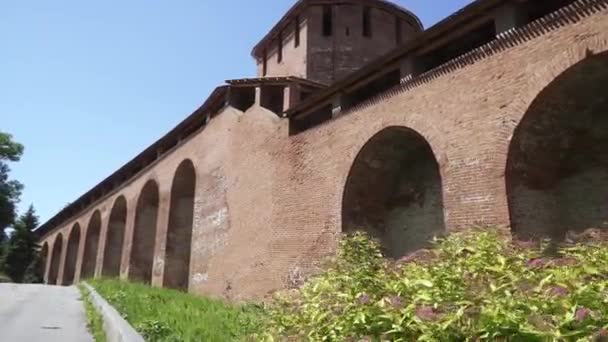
(115, 238)
(55, 259)
(144, 234)
(71, 258)
(91, 246)
(394, 192)
(557, 166)
(179, 231)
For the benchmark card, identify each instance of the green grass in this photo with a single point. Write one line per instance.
(94, 319)
(167, 315)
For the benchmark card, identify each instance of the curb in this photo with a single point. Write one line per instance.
(115, 327)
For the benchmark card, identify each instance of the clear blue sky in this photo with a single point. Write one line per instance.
(86, 85)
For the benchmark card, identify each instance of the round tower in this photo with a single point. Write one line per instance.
(325, 40)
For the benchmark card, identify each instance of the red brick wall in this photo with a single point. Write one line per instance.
(268, 205)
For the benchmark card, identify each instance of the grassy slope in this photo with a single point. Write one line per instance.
(166, 315)
(94, 319)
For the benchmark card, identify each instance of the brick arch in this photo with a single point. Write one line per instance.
(55, 260)
(91, 245)
(179, 231)
(144, 233)
(554, 165)
(541, 79)
(394, 191)
(424, 125)
(115, 238)
(71, 255)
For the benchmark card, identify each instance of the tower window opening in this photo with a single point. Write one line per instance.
(280, 48)
(398, 34)
(367, 23)
(327, 20)
(297, 32)
(265, 63)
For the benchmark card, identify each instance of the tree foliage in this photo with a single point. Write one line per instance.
(34, 273)
(9, 149)
(474, 286)
(22, 249)
(10, 190)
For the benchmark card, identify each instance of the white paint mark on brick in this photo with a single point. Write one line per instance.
(477, 199)
(219, 216)
(199, 278)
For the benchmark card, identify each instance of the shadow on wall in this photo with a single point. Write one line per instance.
(179, 232)
(394, 192)
(115, 238)
(55, 259)
(144, 234)
(71, 257)
(557, 168)
(91, 246)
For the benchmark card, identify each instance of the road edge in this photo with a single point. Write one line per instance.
(117, 329)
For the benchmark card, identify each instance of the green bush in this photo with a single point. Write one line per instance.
(472, 286)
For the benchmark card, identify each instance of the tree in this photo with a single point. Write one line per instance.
(34, 273)
(3, 247)
(22, 248)
(10, 190)
(9, 150)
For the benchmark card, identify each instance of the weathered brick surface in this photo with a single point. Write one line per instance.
(268, 206)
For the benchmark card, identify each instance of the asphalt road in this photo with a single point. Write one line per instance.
(31, 313)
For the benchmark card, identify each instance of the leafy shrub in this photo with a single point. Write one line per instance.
(473, 286)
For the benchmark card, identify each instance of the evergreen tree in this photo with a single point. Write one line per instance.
(34, 273)
(3, 246)
(10, 190)
(22, 247)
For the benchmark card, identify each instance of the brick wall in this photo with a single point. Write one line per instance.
(268, 206)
